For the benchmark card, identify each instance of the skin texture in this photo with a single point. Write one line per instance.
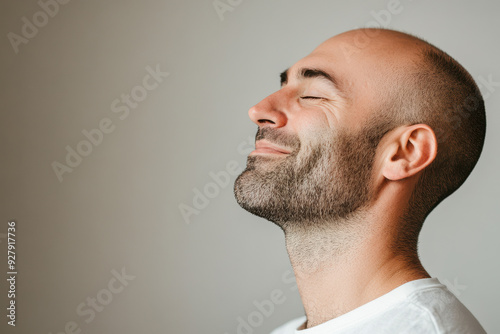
(344, 177)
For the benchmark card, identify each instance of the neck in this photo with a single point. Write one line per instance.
(343, 265)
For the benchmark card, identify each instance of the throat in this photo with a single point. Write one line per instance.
(340, 266)
(316, 246)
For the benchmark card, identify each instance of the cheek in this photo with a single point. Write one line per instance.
(310, 122)
(315, 129)
(316, 140)
(325, 116)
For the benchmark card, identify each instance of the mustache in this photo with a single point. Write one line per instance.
(278, 137)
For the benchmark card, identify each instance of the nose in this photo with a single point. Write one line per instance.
(268, 112)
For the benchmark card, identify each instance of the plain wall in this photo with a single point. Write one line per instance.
(120, 206)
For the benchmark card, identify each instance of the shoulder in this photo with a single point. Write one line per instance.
(290, 326)
(444, 310)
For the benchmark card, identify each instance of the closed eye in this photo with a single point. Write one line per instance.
(312, 97)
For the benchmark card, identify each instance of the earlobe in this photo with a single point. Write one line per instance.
(408, 151)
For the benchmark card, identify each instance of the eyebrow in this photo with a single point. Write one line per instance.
(309, 73)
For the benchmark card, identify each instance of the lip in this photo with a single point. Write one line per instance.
(264, 147)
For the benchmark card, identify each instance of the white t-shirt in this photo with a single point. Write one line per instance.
(417, 307)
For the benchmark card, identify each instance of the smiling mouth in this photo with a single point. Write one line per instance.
(264, 147)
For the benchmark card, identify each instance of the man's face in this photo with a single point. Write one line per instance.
(314, 146)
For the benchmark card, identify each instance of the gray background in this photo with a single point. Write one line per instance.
(119, 208)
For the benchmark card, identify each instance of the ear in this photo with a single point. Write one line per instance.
(409, 150)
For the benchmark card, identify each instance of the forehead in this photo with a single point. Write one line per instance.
(356, 64)
(375, 50)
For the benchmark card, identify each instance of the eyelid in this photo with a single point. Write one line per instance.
(313, 97)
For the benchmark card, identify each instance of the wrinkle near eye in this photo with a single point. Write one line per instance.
(331, 115)
(327, 108)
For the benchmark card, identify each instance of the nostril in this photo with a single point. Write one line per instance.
(263, 121)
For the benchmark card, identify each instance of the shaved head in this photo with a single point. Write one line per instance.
(426, 85)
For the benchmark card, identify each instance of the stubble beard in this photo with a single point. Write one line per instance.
(313, 187)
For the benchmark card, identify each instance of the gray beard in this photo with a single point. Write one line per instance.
(313, 185)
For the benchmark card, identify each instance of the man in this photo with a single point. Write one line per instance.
(365, 137)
